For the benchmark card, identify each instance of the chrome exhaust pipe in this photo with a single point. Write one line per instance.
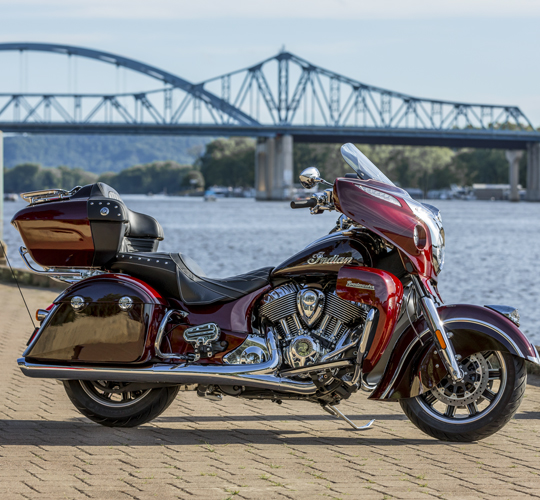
(260, 376)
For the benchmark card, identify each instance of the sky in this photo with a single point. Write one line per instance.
(472, 51)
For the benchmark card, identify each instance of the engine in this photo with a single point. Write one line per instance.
(310, 323)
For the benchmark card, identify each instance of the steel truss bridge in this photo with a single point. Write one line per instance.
(283, 98)
(282, 95)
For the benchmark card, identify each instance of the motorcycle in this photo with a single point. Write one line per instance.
(357, 309)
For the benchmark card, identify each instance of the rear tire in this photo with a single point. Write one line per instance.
(113, 409)
(484, 413)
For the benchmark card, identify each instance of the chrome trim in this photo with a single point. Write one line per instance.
(370, 318)
(125, 303)
(253, 344)
(161, 331)
(310, 311)
(78, 303)
(435, 324)
(202, 334)
(340, 350)
(366, 333)
(76, 275)
(534, 360)
(23, 251)
(260, 376)
(44, 195)
(315, 368)
(507, 311)
(310, 177)
(490, 326)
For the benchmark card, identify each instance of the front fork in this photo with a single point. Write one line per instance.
(445, 347)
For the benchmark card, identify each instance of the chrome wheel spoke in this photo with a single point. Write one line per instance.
(430, 398)
(473, 397)
(450, 411)
(100, 392)
(473, 409)
(489, 395)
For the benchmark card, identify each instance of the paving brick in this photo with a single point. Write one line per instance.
(235, 449)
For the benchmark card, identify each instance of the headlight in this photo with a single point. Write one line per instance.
(438, 252)
(432, 219)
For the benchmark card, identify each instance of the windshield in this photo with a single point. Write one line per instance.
(361, 165)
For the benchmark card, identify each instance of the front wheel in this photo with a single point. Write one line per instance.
(113, 404)
(476, 407)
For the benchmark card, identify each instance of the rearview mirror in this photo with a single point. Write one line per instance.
(310, 177)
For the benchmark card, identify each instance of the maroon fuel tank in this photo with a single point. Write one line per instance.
(326, 255)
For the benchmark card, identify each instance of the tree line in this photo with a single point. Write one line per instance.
(230, 162)
(156, 177)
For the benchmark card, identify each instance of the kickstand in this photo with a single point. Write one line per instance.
(336, 413)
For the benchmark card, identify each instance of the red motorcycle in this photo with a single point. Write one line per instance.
(356, 309)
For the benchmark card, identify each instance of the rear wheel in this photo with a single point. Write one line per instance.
(476, 407)
(112, 403)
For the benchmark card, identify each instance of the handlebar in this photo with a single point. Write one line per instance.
(311, 203)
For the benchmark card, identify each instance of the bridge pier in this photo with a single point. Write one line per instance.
(513, 157)
(533, 171)
(274, 168)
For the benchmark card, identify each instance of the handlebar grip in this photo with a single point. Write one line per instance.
(311, 203)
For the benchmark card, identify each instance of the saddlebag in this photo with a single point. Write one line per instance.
(105, 319)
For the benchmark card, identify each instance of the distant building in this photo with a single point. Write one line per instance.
(492, 191)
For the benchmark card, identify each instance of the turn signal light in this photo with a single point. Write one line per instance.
(41, 314)
(420, 238)
(440, 338)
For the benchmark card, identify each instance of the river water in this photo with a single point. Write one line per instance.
(492, 251)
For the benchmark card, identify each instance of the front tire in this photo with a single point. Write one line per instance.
(479, 406)
(111, 403)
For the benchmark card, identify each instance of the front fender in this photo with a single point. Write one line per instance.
(414, 366)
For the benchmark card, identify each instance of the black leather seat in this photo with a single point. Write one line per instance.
(143, 226)
(176, 275)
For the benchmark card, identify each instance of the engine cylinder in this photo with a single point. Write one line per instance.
(286, 308)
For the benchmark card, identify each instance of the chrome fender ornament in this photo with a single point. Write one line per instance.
(310, 305)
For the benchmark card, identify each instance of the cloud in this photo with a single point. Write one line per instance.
(277, 9)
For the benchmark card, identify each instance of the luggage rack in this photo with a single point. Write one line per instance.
(34, 197)
(65, 275)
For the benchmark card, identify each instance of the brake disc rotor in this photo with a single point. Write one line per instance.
(470, 389)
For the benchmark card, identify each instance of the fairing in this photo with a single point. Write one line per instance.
(393, 222)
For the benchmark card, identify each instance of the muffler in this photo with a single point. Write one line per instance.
(260, 376)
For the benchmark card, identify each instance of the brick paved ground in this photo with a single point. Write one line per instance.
(242, 450)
